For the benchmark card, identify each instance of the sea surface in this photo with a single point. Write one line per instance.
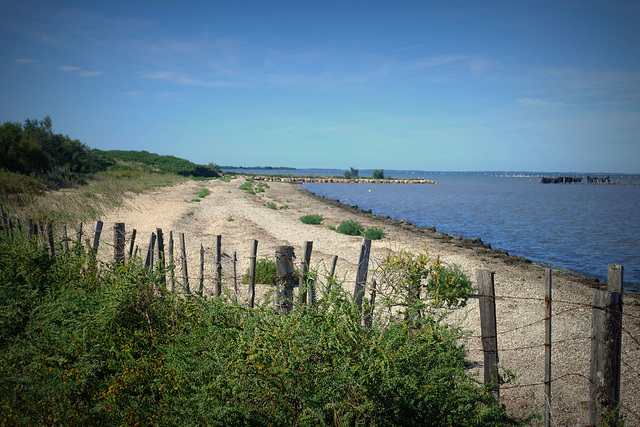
(577, 228)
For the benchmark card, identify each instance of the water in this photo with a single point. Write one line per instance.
(577, 227)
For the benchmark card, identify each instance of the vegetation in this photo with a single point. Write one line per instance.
(84, 343)
(312, 219)
(272, 205)
(352, 227)
(373, 233)
(351, 173)
(160, 164)
(265, 272)
(378, 174)
(250, 187)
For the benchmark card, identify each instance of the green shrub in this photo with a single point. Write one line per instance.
(331, 227)
(265, 272)
(350, 227)
(374, 233)
(272, 205)
(312, 219)
(352, 173)
(378, 174)
(85, 343)
(204, 193)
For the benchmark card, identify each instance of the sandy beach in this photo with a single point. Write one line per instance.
(240, 217)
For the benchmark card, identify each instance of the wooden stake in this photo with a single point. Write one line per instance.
(185, 282)
(547, 348)
(118, 242)
(361, 277)
(218, 277)
(489, 331)
(284, 279)
(252, 273)
(96, 237)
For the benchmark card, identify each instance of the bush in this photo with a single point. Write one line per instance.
(83, 343)
(350, 227)
(374, 233)
(315, 219)
(351, 173)
(378, 174)
(265, 272)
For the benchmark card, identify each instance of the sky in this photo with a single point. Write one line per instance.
(403, 84)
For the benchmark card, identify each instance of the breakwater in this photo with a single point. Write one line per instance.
(325, 179)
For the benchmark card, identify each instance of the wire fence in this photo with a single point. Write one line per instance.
(573, 382)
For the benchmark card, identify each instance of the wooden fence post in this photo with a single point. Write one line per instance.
(201, 284)
(305, 286)
(161, 260)
(252, 273)
(284, 279)
(132, 243)
(235, 276)
(361, 277)
(218, 277)
(185, 280)
(52, 247)
(171, 263)
(368, 316)
(614, 284)
(30, 228)
(66, 239)
(605, 333)
(118, 242)
(547, 348)
(79, 233)
(152, 244)
(489, 330)
(96, 237)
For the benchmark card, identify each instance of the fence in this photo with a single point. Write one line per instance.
(606, 326)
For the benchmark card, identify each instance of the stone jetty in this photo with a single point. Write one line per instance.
(325, 179)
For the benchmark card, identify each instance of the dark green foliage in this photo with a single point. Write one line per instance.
(374, 233)
(350, 227)
(82, 343)
(378, 174)
(351, 173)
(265, 272)
(312, 219)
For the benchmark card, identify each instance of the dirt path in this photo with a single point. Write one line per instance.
(241, 217)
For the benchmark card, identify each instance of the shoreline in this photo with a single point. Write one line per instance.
(272, 218)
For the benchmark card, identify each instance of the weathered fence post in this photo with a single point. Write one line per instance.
(52, 246)
(118, 242)
(252, 273)
(368, 316)
(30, 228)
(235, 276)
(361, 277)
(161, 263)
(547, 348)
(284, 278)
(201, 283)
(79, 233)
(218, 277)
(66, 239)
(606, 329)
(152, 244)
(305, 285)
(334, 262)
(172, 275)
(489, 330)
(185, 280)
(96, 237)
(132, 243)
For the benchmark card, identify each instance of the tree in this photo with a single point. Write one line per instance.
(352, 173)
(378, 174)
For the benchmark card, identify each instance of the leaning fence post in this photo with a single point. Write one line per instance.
(185, 280)
(284, 278)
(605, 333)
(161, 263)
(304, 283)
(118, 242)
(489, 331)
(132, 242)
(152, 244)
(96, 237)
(30, 228)
(614, 284)
(252, 273)
(172, 275)
(235, 276)
(201, 283)
(547, 348)
(361, 277)
(66, 239)
(218, 277)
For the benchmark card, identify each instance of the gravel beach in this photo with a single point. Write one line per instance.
(240, 217)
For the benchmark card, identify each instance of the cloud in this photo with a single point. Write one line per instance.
(24, 61)
(185, 80)
(68, 68)
(536, 102)
(436, 61)
(85, 73)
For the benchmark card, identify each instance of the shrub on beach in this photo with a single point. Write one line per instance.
(350, 227)
(312, 219)
(374, 233)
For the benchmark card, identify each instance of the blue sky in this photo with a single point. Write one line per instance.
(430, 85)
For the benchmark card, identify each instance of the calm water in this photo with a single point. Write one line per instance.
(577, 227)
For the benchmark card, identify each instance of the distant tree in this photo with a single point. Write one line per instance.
(352, 173)
(378, 174)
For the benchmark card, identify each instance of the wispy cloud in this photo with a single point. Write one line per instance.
(24, 61)
(186, 80)
(536, 102)
(80, 71)
(68, 68)
(85, 73)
